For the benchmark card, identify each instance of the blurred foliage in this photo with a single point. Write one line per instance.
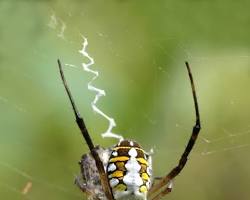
(139, 48)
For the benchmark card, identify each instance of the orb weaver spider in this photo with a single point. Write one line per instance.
(125, 170)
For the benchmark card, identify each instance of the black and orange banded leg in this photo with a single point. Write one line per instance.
(85, 134)
(162, 187)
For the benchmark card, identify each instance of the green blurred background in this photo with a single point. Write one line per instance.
(139, 48)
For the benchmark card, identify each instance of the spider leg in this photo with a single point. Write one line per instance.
(182, 162)
(85, 134)
(157, 178)
(164, 192)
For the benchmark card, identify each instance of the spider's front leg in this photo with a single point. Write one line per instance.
(164, 185)
(104, 184)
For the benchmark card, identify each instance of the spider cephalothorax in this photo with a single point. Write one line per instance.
(123, 172)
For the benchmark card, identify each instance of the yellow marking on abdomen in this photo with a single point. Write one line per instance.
(120, 187)
(143, 189)
(145, 176)
(120, 166)
(117, 174)
(142, 161)
(137, 148)
(119, 158)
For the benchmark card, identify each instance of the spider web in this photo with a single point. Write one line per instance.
(214, 140)
(228, 142)
(99, 92)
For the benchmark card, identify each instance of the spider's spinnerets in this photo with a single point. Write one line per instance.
(129, 171)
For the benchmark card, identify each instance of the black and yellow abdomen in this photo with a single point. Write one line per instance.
(129, 171)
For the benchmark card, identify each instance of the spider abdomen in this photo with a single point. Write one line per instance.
(129, 171)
